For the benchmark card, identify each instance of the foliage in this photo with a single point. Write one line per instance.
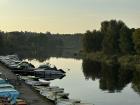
(114, 38)
(112, 77)
(136, 40)
(92, 41)
(39, 45)
(111, 32)
(126, 45)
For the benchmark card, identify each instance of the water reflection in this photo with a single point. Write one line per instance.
(112, 78)
(53, 77)
(43, 54)
(100, 80)
(136, 82)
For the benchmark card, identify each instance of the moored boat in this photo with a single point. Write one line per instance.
(67, 101)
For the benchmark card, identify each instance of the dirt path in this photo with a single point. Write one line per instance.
(27, 93)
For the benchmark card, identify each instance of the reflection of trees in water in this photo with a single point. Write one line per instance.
(41, 53)
(136, 82)
(111, 77)
(91, 69)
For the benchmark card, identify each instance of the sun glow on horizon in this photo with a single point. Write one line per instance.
(65, 16)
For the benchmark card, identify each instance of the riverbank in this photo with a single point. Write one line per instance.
(129, 61)
(26, 92)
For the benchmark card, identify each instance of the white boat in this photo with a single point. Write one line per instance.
(37, 83)
(48, 89)
(54, 95)
(44, 87)
(52, 91)
(67, 102)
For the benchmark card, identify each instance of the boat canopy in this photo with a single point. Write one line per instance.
(2, 81)
(11, 93)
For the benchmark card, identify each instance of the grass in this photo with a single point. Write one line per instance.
(127, 61)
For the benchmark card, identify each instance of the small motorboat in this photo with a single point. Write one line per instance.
(55, 95)
(22, 65)
(47, 66)
(11, 93)
(54, 91)
(37, 83)
(48, 89)
(44, 87)
(67, 101)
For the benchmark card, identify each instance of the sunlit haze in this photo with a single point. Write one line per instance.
(65, 16)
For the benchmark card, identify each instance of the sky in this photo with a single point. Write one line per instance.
(66, 16)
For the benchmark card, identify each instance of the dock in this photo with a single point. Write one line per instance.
(26, 92)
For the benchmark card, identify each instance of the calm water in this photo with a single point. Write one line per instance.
(100, 87)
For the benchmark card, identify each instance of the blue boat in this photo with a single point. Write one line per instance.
(7, 90)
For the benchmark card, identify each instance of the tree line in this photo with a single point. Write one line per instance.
(114, 37)
(23, 41)
(37, 44)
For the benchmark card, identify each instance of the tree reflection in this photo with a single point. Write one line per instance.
(112, 78)
(136, 82)
(91, 69)
(40, 53)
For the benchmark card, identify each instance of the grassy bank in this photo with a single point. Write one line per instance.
(127, 61)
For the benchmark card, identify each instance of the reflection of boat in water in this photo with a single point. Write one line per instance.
(48, 72)
(52, 77)
(70, 102)
(44, 72)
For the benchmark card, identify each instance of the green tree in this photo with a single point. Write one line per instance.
(92, 41)
(87, 42)
(136, 40)
(111, 31)
(1, 41)
(126, 44)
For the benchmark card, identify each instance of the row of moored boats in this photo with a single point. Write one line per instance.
(35, 77)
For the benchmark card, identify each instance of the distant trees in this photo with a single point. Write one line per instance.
(1, 40)
(136, 40)
(92, 41)
(21, 41)
(114, 37)
(36, 43)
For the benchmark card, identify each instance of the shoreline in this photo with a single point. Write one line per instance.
(130, 61)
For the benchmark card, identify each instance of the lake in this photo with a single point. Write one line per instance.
(94, 83)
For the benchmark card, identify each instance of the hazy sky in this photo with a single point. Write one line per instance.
(65, 16)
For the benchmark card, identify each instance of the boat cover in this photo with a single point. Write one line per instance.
(11, 93)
